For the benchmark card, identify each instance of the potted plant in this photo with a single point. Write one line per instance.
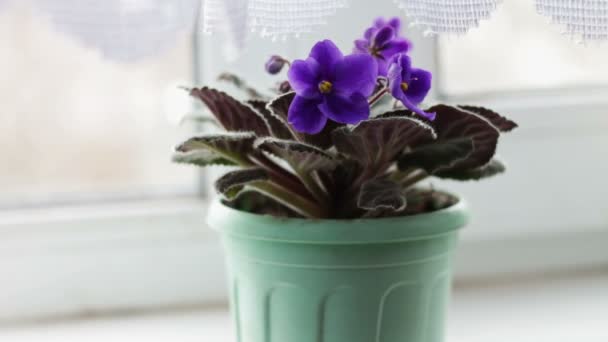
(328, 235)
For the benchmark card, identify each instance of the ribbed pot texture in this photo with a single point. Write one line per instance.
(363, 280)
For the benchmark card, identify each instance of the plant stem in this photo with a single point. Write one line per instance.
(378, 96)
(282, 177)
(400, 176)
(293, 201)
(412, 180)
(288, 62)
(313, 187)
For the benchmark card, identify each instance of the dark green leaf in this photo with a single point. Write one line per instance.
(232, 147)
(198, 118)
(503, 124)
(240, 84)
(231, 113)
(453, 125)
(303, 158)
(280, 108)
(381, 194)
(231, 184)
(200, 158)
(437, 155)
(278, 127)
(380, 140)
(493, 168)
(343, 177)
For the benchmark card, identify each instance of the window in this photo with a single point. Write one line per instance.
(519, 64)
(78, 126)
(517, 50)
(90, 204)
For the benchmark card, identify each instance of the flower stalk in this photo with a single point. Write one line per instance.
(291, 200)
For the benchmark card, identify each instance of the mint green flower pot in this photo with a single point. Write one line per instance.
(366, 280)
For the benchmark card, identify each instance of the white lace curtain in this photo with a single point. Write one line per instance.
(131, 29)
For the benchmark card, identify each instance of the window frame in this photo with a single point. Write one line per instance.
(151, 254)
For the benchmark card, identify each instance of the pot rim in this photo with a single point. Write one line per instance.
(252, 226)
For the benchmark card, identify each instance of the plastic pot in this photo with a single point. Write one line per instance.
(364, 280)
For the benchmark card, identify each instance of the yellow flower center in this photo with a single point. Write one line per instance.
(404, 86)
(325, 87)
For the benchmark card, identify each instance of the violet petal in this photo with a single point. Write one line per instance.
(304, 115)
(382, 66)
(395, 22)
(405, 62)
(397, 45)
(379, 22)
(384, 36)
(356, 73)
(304, 78)
(409, 105)
(361, 46)
(348, 110)
(369, 33)
(395, 79)
(327, 54)
(419, 86)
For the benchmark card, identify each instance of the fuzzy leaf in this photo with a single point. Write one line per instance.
(240, 84)
(437, 156)
(492, 168)
(231, 184)
(380, 140)
(279, 106)
(381, 194)
(232, 147)
(278, 127)
(231, 113)
(301, 157)
(503, 124)
(200, 158)
(198, 118)
(453, 124)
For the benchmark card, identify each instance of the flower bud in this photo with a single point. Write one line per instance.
(274, 64)
(284, 87)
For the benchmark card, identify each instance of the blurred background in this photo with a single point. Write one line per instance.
(103, 239)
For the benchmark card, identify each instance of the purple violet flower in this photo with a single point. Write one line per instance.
(382, 41)
(330, 85)
(409, 85)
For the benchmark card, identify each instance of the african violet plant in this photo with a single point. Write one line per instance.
(328, 147)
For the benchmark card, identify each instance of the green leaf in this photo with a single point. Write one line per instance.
(380, 140)
(381, 194)
(437, 156)
(231, 147)
(232, 114)
(493, 168)
(231, 184)
(501, 123)
(303, 158)
(278, 127)
(279, 106)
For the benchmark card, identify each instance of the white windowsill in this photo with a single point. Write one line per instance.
(81, 261)
(558, 309)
